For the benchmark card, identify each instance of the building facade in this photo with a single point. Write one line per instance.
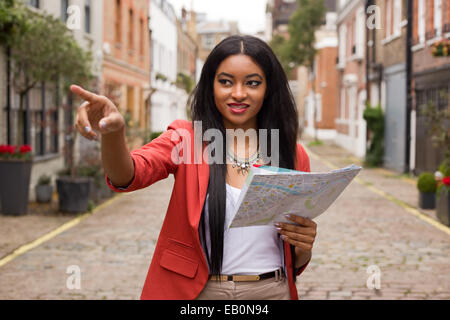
(210, 33)
(387, 79)
(351, 65)
(47, 113)
(165, 100)
(320, 109)
(430, 79)
(187, 53)
(126, 63)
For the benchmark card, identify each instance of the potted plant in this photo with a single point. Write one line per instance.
(427, 191)
(73, 191)
(15, 172)
(441, 48)
(44, 189)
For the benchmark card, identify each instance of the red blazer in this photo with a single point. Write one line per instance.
(179, 270)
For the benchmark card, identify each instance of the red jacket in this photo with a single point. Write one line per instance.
(179, 269)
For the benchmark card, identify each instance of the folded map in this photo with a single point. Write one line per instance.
(269, 193)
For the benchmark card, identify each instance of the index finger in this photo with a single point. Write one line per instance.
(84, 94)
(301, 220)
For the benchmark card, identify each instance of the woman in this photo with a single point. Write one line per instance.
(242, 86)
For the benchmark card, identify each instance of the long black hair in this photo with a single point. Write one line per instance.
(277, 112)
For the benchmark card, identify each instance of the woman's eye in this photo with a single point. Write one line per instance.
(225, 82)
(254, 83)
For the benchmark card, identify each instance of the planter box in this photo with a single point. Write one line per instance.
(443, 207)
(73, 194)
(14, 186)
(427, 200)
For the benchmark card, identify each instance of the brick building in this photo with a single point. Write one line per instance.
(320, 111)
(351, 64)
(126, 64)
(210, 33)
(387, 78)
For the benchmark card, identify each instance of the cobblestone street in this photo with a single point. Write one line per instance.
(113, 247)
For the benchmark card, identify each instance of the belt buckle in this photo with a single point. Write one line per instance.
(278, 275)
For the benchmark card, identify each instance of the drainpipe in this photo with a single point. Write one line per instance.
(8, 94)
(409, 39)
(367, 4)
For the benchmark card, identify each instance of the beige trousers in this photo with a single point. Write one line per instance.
(268, 289)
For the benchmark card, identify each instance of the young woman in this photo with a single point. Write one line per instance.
(242, 86)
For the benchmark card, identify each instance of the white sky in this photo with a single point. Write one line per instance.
(250, 14)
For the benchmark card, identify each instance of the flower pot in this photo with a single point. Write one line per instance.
(73, 194)
(44, 193)
(427, 200)
(14, 186)
(443, 207)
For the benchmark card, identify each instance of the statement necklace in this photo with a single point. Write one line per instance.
(243, 164)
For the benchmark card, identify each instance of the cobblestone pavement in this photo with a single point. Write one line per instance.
(113, 247)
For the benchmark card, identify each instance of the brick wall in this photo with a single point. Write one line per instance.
(327, 75)
(131, 46)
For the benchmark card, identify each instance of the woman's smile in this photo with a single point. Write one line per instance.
(238, 108)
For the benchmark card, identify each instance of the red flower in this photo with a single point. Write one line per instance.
(11, 149)
(25, 148)
(446, 181)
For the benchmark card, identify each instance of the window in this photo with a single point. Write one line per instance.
(397, 17)
(388, 22)
(208, 41)
(421, 22)
(342, 45)
(142, 32)
(41, 129)
(130, 31)
(393, 18)
(343, 103)
(64, 7)
(34, 3)
(438, 17)
(360, 33)
(87, 15)
(118, 30)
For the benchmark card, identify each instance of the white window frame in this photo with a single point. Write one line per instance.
(208, 41)
(343, 102)
(388, 18)
(360, 33)
(438, 17)
(397, 18)
(421, 23)
(342, 46)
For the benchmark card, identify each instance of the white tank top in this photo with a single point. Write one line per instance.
(247, 250)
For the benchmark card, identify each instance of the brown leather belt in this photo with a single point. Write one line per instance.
(278, 274)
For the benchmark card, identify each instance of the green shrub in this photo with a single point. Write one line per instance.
(375, 123)
(426, 183)
(444, 168)
(155, 135)
(44, 180)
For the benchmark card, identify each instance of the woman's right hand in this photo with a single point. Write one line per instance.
(96, 114)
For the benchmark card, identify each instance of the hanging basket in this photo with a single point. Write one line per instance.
(441, 48)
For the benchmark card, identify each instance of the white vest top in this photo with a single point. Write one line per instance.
(248, 250)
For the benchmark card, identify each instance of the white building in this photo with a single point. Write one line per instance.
(167, 103)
